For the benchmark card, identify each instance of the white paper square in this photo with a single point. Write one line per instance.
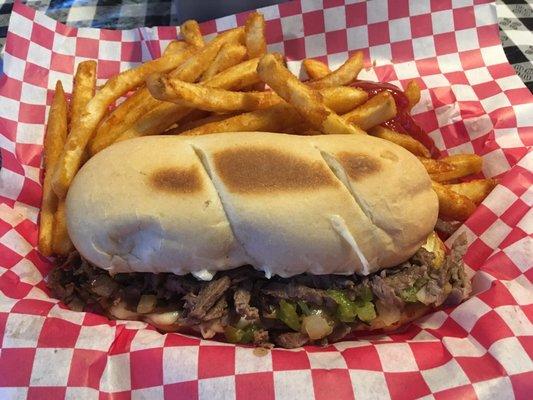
(9, 109)
(376, 11)
(406, 70)
(433, 320)
(315, 45)
(469, 312)
(10, 183)
(43, 375)
(66, 80)
(216, 388)
(447, 376)
(520, 289)
(449, 63)
(14, 241)
(435, 81)
(467, 39)
(510, 82)
(357, 37)
(381, 54)
(461, 3)
(75, 317)
(335, 60)
(13, 393)
(500, 388)
(369, 384)
(104, 333)
(493, 55)
(463, 347)
(181, 364)
(272, 12)
(500, 199)
(147, 339)
(334, 19)
(64, 45)
(478, 126)
(45, 21)
(22, 330)
(27, 272)
(116, 376)
(417, 7)
(292, 27)
(21, 25)
(495, 163)
(310, 5)
(496, 233)
(515, 319)
(399, 29)
(32, 94)
(247, 362)
(327, 360)
(494, 102)
(442, 21)
(507, 138)
(396, 357)
(524, 115)
(81, 393)
(478, 75)
(286, 389)
(39, 55)
(108, 50)
(424, 47)
(226, 23)
(511, 355)
(151, 393)
(521, 253)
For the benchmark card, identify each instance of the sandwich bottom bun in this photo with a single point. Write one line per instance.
(242, 305)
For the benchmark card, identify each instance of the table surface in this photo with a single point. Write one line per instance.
(515, 18)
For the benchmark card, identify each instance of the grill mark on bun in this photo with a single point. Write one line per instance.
(260, 170)
(176, 180)
(359, 165)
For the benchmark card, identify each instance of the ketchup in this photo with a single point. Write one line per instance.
(403, 122)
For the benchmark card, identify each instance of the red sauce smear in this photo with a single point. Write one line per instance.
(403, 122)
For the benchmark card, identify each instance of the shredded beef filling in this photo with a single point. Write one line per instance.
(248, 308)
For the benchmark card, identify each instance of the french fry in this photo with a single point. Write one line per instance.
(167, 114)
(228, 56)
(54, 140)
(175, 47)
(148, 109)
(407, 142)
(475, 190)
(344, 75)
(461, 166)
(435, 167)
(375, 111)
(278, 118)
(453, 206)
(62, 245)
(82, 92)
(83, 88)
(255, 35)
(343, 99)
(272, 119)
(190, 30)
(306, 101)
(315, 69)
(412, 92)
(206, 98)
(84, 127)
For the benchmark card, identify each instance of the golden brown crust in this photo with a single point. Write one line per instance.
(359, 165)
(263, 170)
(177, 180)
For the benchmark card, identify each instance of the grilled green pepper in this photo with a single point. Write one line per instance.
(287, 314)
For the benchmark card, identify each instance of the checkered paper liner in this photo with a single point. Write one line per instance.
(472, 101)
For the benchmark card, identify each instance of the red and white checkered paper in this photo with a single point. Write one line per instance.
(472, 101)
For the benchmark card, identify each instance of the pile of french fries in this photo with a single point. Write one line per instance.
(228, 84)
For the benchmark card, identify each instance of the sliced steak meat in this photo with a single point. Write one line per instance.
(241, 299)
(218, 310)
(296, 292)
(383, 291)
(207, 297)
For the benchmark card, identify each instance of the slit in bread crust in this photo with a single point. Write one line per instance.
(205, 165)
